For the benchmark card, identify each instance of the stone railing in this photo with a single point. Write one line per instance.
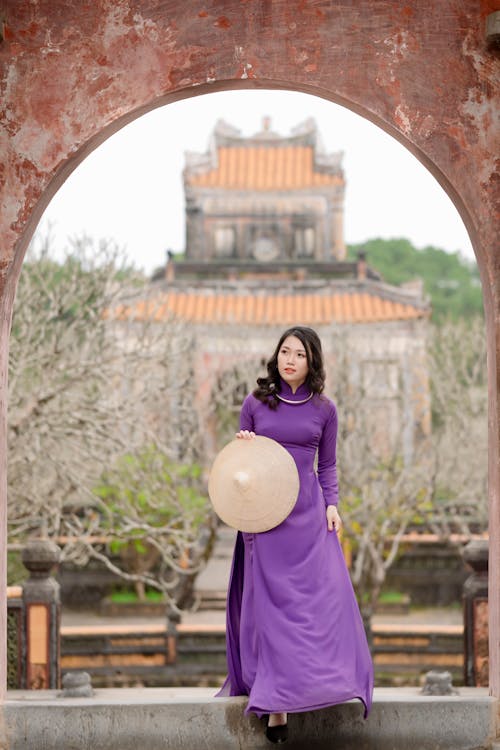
(34, 635)
(16, 641)
(475, 607)
(124, 655)
(33, 616)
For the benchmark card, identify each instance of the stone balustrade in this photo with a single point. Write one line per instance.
(34, 612)
(475, 607)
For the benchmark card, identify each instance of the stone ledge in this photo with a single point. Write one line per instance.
(191, 718)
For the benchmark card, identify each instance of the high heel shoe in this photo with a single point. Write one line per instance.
(277, 734)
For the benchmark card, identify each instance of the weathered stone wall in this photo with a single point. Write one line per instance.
(387, 360)
(73, 73)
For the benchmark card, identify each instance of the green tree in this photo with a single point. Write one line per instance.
(156, 519)
(451, 281)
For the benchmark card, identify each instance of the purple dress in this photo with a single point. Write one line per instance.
(294, 634)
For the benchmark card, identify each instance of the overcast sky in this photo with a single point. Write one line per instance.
(130, 188)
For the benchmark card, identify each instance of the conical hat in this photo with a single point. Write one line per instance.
(253, 484)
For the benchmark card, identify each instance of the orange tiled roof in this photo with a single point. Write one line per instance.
(271, 309)
(264, 168)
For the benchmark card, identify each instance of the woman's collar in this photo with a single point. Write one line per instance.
(285, 390)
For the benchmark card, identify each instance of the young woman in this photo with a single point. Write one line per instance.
(295, 639)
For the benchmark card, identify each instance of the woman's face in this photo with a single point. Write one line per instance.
(292, 362)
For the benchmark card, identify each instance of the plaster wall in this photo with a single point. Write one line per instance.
(73, 73)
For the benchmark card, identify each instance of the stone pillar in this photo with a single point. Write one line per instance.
(169, 267)
(338, 243)
(475, 608)
(173, 619)
(42, 615)
(361, 266)
(16, 661)
(195, 249)
(5, 318)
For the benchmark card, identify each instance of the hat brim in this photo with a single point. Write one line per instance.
(253, 484)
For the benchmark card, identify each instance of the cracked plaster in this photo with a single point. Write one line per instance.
(71, 72)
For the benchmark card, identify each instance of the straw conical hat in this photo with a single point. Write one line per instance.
(253, 484)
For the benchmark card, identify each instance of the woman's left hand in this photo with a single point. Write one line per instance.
(333, 519)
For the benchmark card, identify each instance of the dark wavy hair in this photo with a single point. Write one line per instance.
(315, 380)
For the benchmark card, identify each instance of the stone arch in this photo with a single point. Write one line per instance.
(72, 74)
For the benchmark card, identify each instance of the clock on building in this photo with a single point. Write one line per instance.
(265, 249)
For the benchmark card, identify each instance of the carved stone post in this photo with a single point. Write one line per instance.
(42, 615)
(173, 619)
(475, 607)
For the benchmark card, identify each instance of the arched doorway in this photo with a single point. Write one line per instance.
(71, 76)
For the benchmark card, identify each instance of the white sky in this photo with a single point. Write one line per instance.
(130, 188)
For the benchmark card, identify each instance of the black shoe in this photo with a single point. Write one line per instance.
(277, 734)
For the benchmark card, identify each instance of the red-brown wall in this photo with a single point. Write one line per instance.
(73, 73)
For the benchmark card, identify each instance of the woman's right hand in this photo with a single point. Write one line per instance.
(245, 435)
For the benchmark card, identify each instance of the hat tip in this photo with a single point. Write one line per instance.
(242, 480)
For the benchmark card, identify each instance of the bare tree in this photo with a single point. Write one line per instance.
(457, 363)
(382, 488)
(383, 493)
(230, 388)
(93, 377)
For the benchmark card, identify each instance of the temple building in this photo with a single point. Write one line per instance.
(266, 198)
(264, 251)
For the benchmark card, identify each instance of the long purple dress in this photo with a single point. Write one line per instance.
(294, 634)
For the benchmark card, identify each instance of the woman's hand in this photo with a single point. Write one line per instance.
(245, 435)
(333, 518)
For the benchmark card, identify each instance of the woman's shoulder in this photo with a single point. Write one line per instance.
(327, 405)
(250, 402)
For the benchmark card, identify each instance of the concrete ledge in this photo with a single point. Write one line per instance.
(191, 718)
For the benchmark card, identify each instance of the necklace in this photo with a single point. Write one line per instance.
(289, 401)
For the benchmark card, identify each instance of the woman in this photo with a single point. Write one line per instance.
(295, 639)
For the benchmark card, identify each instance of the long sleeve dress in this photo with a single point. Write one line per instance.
(294, 635)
